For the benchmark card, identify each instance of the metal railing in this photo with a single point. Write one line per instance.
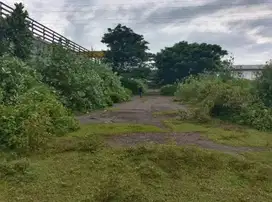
(44, 33)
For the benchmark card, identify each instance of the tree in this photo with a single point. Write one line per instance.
(264, 84)
(17, 33)
(126, 48)
(184, 59)
(3, 36)
(141, 72)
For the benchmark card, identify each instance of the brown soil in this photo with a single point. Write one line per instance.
(140, 110)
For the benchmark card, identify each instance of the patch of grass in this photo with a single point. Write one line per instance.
(145, 173)
(114, 128)
(166, 113)
(90, 144)
(225, 134)
(90, 137)
(264, 157)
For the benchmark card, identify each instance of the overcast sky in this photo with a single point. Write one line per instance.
(243, 27)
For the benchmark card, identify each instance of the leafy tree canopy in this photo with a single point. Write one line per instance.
(184, 59)
(14, 33)
(126, 48)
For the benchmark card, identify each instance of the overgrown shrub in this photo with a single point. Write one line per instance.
(36, 116)
(232, 100)
(16, 77)
(264, 84)
(112, 84)
(29, 111)
(78, 81)
(32, 96)
(134, 84)
(168, 89)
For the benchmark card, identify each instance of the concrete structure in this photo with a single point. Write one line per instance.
(248, 71)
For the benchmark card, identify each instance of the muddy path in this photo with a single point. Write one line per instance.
(141, 110)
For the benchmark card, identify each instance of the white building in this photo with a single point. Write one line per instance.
(248, 71)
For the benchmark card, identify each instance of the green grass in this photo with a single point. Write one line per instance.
(79, 167)
(225, 134)
(264, 157)
(114, 128)
(91, 137)
(166, 113)
(146, 173)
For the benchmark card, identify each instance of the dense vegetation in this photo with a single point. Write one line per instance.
(127, 55)
(234, 99)
(184, 59)
(127, 49)
(168, 89)
(30, 111)
(17, 42)
(39, 92)
(81, 84)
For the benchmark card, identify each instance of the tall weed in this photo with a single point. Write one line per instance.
(232, 99)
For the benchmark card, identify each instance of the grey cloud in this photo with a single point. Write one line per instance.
(228, 41)
(183, 14)
(253, 2)
(74, 11)
(266, 32)
(264, 25)
(243, 24)
(259, 48)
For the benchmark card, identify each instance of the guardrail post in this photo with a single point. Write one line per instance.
(67, 43)
(0, 9)
(43, 34)
(32, 27)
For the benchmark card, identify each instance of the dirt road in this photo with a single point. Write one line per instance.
(140, 110)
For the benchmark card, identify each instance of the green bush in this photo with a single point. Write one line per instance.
(233, 100)
(134, 84)
(81, 87)
(29, 112)
(36, 117)
(32, 96)
(128, 92)
(168, 89)
(112, 84)
(264, 84)
(256, 115)
(16, 77)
